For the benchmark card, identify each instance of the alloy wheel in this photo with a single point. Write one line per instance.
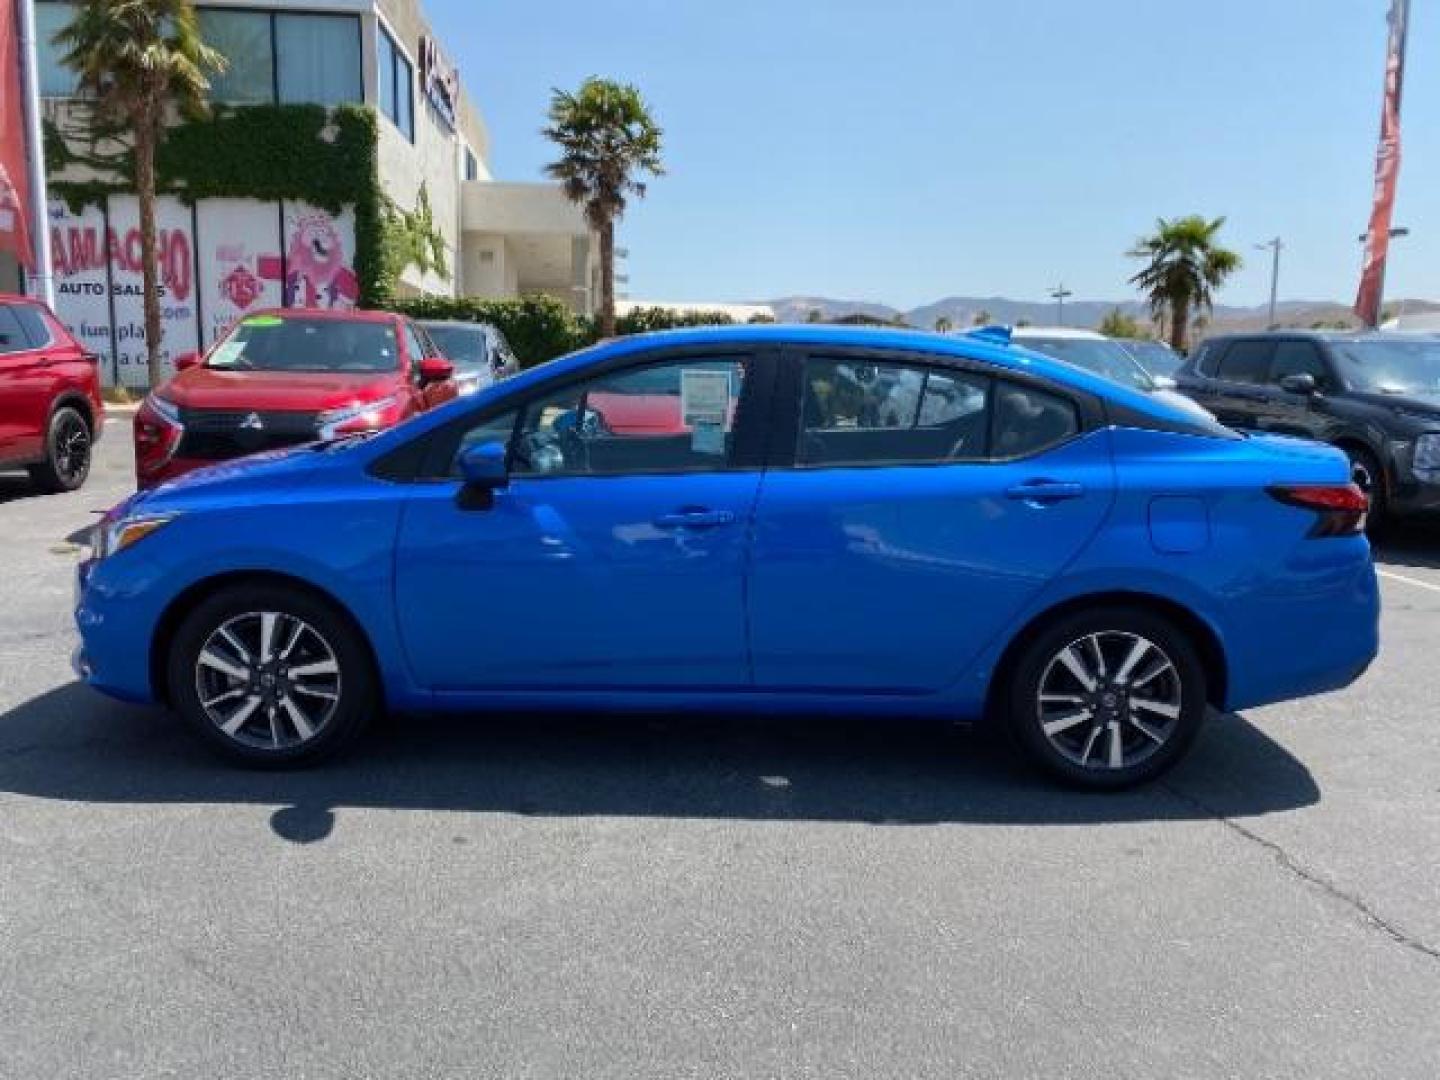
(268, 680)
(1109, 700)
(72, 449)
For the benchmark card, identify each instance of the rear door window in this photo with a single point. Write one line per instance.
(37, 331)
(858, 412)
(1246, 362)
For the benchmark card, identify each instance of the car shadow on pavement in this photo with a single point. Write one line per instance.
(15, 486)
(71, 744)
(1410, 543)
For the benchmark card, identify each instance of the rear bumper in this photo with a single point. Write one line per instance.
(1307, 638)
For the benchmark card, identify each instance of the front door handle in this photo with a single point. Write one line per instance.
(694, 517)
(1043, 492)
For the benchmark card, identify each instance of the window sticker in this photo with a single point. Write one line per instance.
(263, 320)
(707, 439)
(705, 398)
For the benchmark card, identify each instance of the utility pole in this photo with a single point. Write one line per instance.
(1058, 294)
(40, 281)
(1274, 247)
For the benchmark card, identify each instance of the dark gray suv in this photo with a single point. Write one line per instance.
(1374, 395)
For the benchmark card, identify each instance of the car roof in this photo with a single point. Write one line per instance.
(1013, 357)
(1022, 332)
(1316, 335)
(16, 298)
(331, 314)
(460, 324)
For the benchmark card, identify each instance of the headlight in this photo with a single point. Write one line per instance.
(112, 536)
(1427, 457)
(362, 417)
(164, 408)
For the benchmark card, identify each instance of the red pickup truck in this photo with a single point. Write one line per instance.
(50, 407)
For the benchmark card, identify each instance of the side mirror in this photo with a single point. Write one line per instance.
(1303, 383)
(483, 466)
(186, 360)
(435, 369)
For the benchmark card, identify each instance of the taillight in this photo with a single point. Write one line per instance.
(1340, 508)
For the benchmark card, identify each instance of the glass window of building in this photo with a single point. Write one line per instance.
(56, 80)
(318, 59)
(396, 84)
(472, 166)
(243, 37)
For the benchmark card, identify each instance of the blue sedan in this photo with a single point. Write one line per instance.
(782, 519)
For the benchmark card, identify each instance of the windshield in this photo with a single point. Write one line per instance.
(1104, 358)
(300, 343)
(1391, 367)
(467, 347)
(1154, 357)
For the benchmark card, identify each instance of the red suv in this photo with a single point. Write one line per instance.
(50, 407)
(284, 377)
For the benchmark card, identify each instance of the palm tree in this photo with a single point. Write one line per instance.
(1184, 265)
(944, 324)
(137, 60)
(606, 138)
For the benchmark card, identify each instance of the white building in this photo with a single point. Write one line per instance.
(268, 227)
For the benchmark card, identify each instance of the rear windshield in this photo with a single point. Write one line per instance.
(298, 343)
(1104, 358)
(1391, 367)
(468, 348)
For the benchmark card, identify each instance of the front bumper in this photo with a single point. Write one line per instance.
(116, 627)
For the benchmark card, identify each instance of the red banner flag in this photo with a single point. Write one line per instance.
(14, 187)
(1387, 171)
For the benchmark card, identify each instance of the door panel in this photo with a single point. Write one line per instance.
(573, 582)
(1239, 393)
(892, 579)
(27, 384)
(1286, 413)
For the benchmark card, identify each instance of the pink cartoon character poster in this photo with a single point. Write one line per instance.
(318, 271)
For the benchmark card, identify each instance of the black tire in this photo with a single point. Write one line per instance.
(1116, 630)
(336, 642)
(68, 442)
(1369, 475)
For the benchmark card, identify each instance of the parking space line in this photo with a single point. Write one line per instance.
(1408, 580)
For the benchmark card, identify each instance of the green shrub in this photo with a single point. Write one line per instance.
(649, 319)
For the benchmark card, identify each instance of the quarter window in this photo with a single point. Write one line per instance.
(1246, 362)
(1028, 421)
(33, 323)
(863, 413)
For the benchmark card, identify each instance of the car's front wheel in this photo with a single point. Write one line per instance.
(1369, 477)
(68, 442)
(1107, 699)
(271, 676)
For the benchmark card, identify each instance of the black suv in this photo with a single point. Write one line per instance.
(1374, 395)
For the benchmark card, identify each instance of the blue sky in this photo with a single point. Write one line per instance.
(914, 149)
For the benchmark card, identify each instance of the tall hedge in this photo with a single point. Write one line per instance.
(540, 328)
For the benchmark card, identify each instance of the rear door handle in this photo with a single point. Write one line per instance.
(1041, 492)
(695, 518)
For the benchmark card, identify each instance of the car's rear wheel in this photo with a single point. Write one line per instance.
(271, 676)
(67, 453)
(1369, 477)
(1107, 699)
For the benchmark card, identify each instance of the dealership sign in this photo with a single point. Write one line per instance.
(440, 80)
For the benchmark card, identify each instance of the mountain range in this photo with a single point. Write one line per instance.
(963, 310)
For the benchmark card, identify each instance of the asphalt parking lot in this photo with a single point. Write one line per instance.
(613, 897)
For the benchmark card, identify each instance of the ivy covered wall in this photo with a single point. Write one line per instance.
(305, 153)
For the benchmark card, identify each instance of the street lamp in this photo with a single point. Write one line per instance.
(1380, 297)
(1058, 294)
(1273, 246)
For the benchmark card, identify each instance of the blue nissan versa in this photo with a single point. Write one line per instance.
(770, 518)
